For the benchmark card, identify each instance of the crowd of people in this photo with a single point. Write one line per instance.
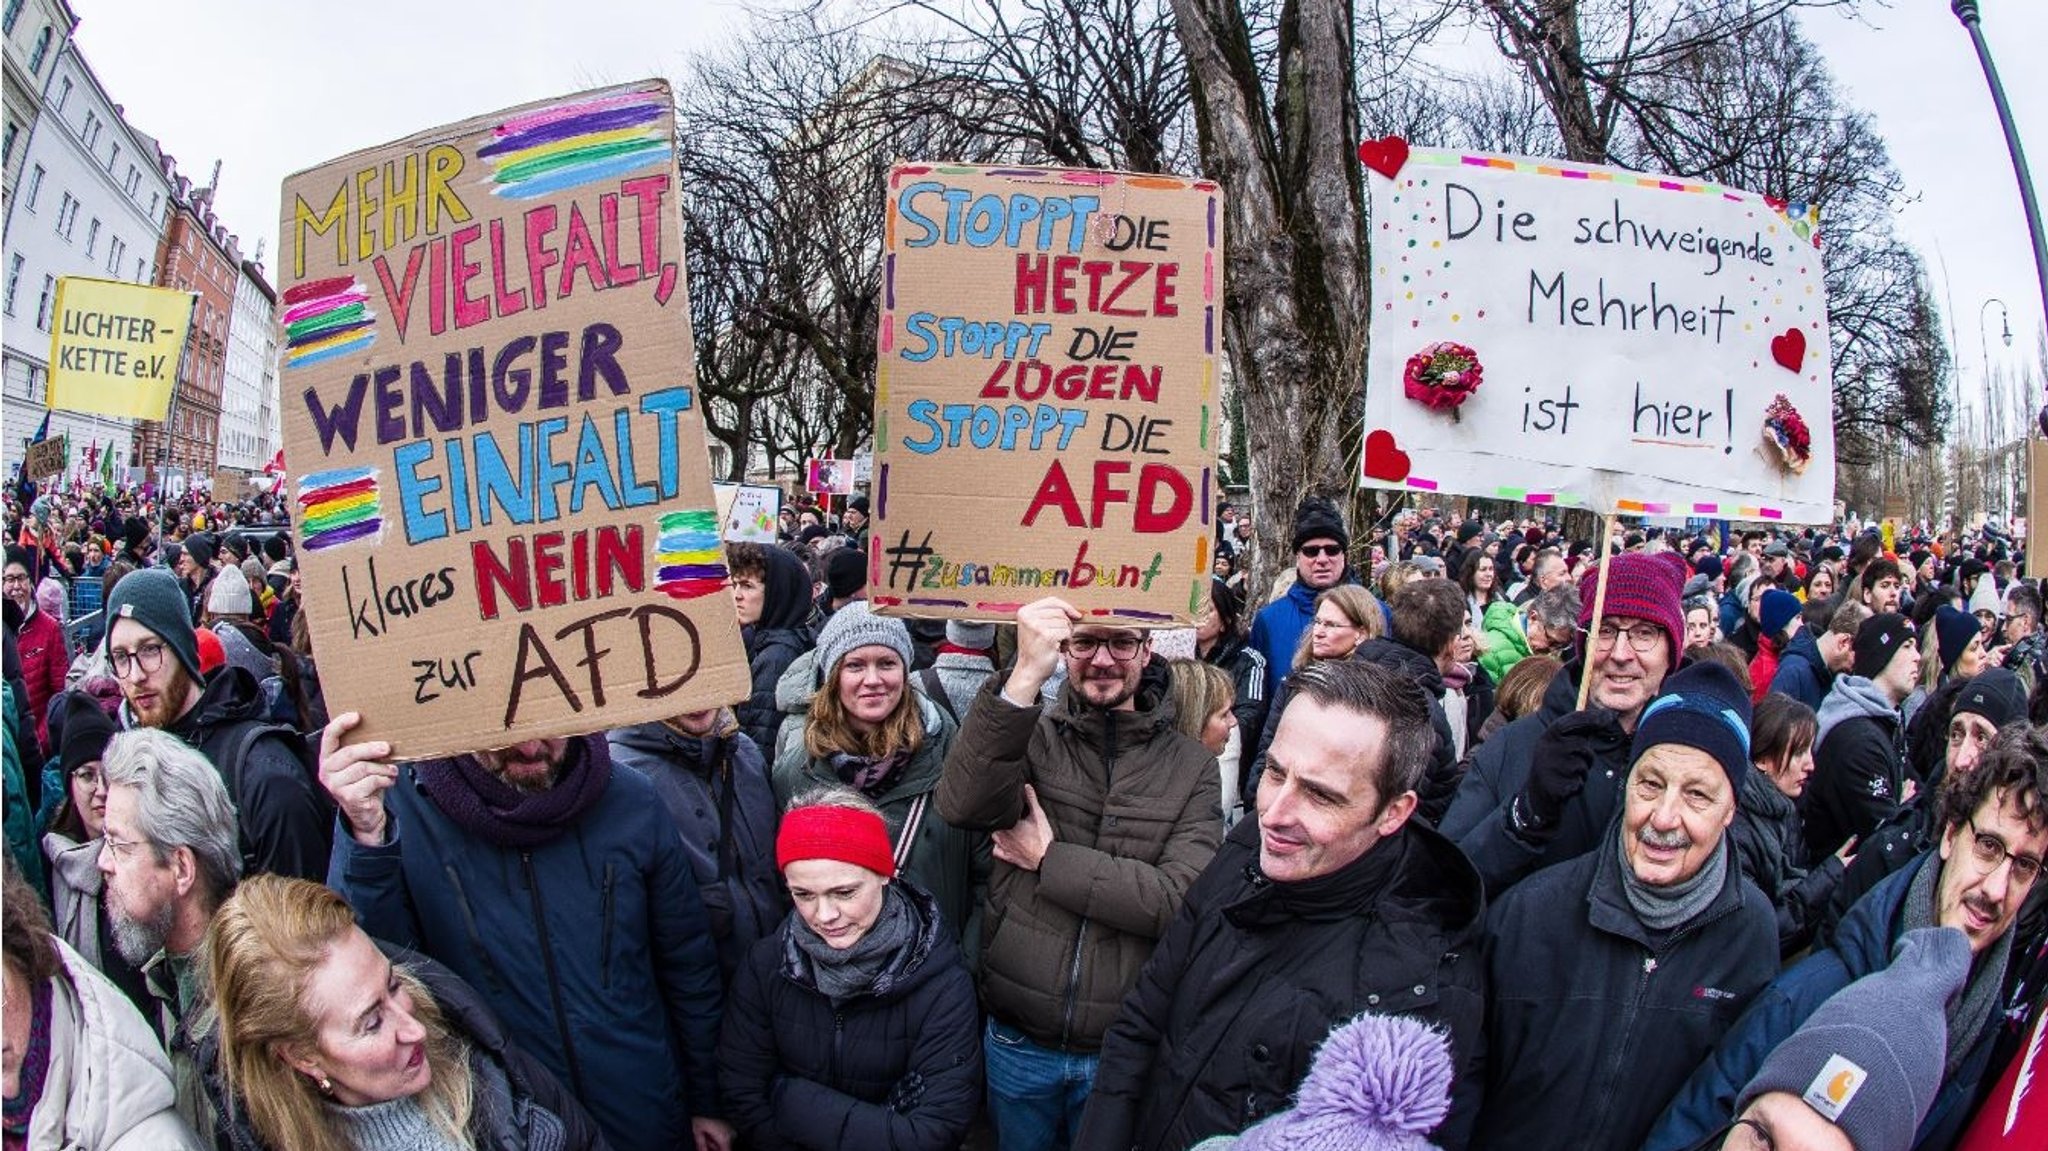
(1416, 851)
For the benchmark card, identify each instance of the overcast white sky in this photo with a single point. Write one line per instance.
(272, 87)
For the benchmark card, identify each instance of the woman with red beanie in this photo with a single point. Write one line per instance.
(855, 1025)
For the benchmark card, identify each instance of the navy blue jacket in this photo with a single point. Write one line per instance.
(1863, 944)
(717, 792)
(593, 948)
(897, 1068)
(1802, 672)
(1594, 1021)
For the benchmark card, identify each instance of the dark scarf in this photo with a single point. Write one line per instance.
(1663, 908)
(841, 974)
(871, 775)
(35, 1064)
(1970, 1011)
(502, 815)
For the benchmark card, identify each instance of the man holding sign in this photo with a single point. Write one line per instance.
(605, 972)
(1103, 815)
(1545, 787)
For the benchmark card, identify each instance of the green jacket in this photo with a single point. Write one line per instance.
(1504, 643)
(21, 824)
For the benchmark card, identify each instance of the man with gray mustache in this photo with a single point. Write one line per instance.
(1614, 974)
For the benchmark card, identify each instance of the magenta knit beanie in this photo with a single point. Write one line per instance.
(1640, 586)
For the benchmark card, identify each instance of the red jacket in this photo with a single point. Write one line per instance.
(1764, 668)
(44, 661)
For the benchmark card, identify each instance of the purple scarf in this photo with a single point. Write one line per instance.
(502, 815)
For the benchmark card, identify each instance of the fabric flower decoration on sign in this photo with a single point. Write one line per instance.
(1785, 431)
(1442, 376)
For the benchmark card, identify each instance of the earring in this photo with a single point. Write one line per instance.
(326, 1085)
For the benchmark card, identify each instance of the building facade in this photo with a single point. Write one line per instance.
(92, 200)
(37, 32)
(249, 398)
(197, 255)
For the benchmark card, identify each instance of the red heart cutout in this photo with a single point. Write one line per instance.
(1775, 204)
(1384, 155)
(1789, 349)
(1384, 461)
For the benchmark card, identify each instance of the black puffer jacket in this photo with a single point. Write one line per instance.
(1593, 1021)
(1770, 845)
(515, 1104)
(1479, 820)
(896, 1067)
(774, 641)
(1253, 975)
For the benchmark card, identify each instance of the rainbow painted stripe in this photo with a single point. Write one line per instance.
(566, 145)
(339, 507)
(689, 558)
(327, 318)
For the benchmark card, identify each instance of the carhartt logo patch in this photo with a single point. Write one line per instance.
(127, 611)
(1831, 1090)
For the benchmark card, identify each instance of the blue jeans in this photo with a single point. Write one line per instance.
(1035, 1094)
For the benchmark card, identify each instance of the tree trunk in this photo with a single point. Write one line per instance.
(1295, 301)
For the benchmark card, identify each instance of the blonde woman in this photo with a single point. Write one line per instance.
(1346, 616)
(319, 1042)
(1204, 710)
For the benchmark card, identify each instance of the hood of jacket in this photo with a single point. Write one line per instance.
(231, 695)
(799, 681)
(1404, 660)
(116, 1077)
(1154, 710)
(78, 864)
(1854, 697)
(909, 968)
(659, 742)
(1804, 646)
(785, 592)
(1760, 799)
(243, 653)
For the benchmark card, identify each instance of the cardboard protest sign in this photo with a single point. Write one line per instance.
(749, 512)
(505, 515)
(1570, 334)
(829, 477)
(45, 458)
(229, 484)
(114, 347)
(1045, 403)
(2037, 504)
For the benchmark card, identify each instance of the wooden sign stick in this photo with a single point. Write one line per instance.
(1599, 607)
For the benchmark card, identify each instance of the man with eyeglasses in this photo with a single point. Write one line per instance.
(287, 821)
(1320, 541)
(1859, 754)
(1987, 860)
(1102, 815)
(1544, 788)
(169, 857)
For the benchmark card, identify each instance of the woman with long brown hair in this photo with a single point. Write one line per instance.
(868, 729)
(318, 1041)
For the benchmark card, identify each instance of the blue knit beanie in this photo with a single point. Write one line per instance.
(1953, 631)
(1703, 706)
(1778, 609)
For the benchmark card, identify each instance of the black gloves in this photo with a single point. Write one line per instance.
(1564, 753)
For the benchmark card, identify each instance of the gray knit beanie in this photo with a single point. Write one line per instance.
(1869, 1059)
(154, 598)
(854, 626)
(963, 633)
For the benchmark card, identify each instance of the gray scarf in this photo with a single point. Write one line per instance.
(841, 974)
(1968, 1012)
(1663, 908)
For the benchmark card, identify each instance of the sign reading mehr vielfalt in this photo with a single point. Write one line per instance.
(1586, 336)
(504, 507)
(1046, 395)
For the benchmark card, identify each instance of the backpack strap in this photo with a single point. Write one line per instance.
(907, 838)
(935, 690)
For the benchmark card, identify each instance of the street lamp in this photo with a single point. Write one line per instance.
(1966, 11)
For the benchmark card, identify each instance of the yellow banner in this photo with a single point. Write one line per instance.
(114, 347)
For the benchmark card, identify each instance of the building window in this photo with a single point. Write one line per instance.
(141, 277)
(63, 93)
(7, 152)
(35, 186)
(47, 304)
(113, 157)
(42, 49)
(14, 263)
(13, 14)
(116, 249)
(92, 237)
(134, 179)
(92, 131)
(67, 216)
